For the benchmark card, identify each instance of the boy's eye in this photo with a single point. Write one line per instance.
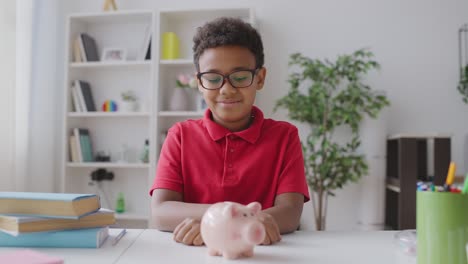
(214, 80)
(239, 78)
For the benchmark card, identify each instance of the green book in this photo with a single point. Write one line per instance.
(77, 238)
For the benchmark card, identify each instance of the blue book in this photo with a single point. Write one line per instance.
(53, 205)
(76, 238)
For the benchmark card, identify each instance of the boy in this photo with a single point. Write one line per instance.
(233, 153)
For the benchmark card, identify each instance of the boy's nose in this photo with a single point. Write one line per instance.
(227, 88)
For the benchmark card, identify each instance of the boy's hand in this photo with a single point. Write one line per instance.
(188, 232)
(272, 233)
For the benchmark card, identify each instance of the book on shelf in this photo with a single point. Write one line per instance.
(28, 256)
(77, 145)
(88, 48)
(85, 96)
(73, 238)
(145, 49)
(77, 57)
(51, 205)
(86, 147)
(18, 224)
(74, 154)
(77, 50)
(77, 107)
(82, 146)
(148, 52)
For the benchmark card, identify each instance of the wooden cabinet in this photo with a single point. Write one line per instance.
(412, 158)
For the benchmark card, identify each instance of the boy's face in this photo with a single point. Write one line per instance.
(230, 106)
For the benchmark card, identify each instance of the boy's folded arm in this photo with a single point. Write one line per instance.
(287, 211)
(168, 209)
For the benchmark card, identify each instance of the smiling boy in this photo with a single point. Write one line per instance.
(233, 153)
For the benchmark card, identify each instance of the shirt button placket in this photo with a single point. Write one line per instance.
(229, 158)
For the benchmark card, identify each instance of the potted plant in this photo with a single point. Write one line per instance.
(463, 84)
(179, 99)
(129, 102)
(328, 96)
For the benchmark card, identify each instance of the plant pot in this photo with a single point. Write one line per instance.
(179, 100)
(128, 106)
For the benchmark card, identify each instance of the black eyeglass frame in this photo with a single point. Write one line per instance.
(226, 77)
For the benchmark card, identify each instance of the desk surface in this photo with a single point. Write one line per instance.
(299, 247)
(153, 246)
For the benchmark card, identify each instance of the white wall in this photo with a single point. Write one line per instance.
(7, 80)
(415, 42)
(46, 95)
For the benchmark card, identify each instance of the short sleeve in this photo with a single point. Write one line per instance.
(292, 177)
(168, 171)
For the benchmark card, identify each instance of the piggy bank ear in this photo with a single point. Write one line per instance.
(230, 210)
(255, 207)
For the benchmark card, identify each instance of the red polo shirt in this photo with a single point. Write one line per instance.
(207, 163)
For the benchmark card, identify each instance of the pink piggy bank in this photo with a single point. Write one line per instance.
(231, 229)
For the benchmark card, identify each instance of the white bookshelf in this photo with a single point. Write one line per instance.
(152, 80)
(112, 131)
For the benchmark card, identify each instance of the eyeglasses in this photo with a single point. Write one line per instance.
(237, 79)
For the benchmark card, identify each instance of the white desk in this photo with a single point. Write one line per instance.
(152, 246)
(308, 247)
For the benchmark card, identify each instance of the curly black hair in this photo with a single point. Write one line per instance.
(226, 31)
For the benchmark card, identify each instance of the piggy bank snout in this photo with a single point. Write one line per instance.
(255, 233)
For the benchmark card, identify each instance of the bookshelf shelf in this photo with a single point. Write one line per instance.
(187, 62)
(104, 65)
(113, 17)
(108, 114)
(107, 165)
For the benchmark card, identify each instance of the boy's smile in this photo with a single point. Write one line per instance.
(231, 106)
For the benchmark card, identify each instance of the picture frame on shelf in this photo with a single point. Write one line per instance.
(114, 54)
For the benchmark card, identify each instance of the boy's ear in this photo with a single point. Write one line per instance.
(261, 74)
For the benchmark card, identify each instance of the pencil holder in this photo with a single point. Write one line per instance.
(442, 227)
(170, 46)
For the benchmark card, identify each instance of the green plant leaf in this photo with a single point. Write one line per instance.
(327, 95)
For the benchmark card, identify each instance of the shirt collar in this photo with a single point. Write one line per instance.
(251, 134)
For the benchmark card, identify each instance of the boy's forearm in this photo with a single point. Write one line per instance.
(287, 211)
(167, 215)
(287, 217)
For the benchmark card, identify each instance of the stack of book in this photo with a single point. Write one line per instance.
(63, 220)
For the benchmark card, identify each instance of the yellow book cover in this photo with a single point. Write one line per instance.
(15, 225)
